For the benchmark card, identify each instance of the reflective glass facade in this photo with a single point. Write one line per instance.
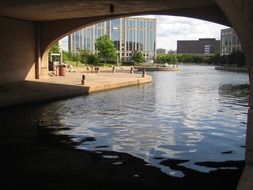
(128, 34)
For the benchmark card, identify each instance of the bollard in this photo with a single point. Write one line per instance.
(132, 70)
(83, 80)
(143, 73)
(113, 70)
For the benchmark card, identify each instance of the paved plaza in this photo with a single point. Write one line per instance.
(59, 87)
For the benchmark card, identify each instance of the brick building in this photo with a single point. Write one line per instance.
(203, 46)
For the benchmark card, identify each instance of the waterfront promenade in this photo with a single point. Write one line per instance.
(60, 87)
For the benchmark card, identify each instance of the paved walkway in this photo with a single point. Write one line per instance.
(59, 87)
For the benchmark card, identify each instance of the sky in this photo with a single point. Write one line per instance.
(172, 28)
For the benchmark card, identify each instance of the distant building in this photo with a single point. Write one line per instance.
(203, 46)
(172, 51)
(229, 41)
(161, 51)
(128, 34)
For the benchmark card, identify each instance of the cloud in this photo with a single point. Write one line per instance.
(63, 43)
(171, 28)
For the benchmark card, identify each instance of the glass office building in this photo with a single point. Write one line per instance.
(128, 34)
(229, 41)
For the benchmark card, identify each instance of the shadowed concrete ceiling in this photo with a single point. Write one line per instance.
(48, 10)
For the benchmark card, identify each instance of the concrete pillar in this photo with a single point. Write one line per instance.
(249, 141)
(38, 52)
(246, 181)
(17, 50)
(240, 15)
(44, 65)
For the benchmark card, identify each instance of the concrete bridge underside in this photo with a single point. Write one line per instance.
(28, 28)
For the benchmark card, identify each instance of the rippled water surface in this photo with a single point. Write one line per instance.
(198, 114)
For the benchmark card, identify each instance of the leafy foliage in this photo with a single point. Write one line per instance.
(92, 59)
(76, 57)
(84, 57)
(138, 57)
(166, 58)
(55, 48)
(106, 48)
(235, 58)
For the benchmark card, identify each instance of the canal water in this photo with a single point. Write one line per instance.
(186, 123)
(196, 115)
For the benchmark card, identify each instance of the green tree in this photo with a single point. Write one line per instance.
(215, 59)
(92, 59)
(76, 57)
(83, 55)
(166, 58)
(138, 57)
(54, 49)
(158, 58)
(237, 58)
(173, 59)
(106, 48)
(66, 56)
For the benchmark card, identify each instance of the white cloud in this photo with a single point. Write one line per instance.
(172, 28)
(63, 43)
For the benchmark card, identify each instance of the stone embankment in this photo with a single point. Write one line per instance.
(70, 85)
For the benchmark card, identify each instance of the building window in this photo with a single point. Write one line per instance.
(128, 35)
(207, 49)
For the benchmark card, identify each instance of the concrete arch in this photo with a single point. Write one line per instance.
(58, 29)
(53, 31)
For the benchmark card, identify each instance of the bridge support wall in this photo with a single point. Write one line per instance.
(240, 15)
(17, 50)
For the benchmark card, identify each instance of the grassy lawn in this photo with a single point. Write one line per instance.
(74, 64)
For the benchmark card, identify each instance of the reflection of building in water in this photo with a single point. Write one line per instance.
(128, 34)
(202, 47)
(235, 91)
(229, 41)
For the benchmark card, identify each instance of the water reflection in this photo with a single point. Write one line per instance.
(194, 115)
(237, 94)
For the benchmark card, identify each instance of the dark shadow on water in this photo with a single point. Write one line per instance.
(33, 157)
(231, 90)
